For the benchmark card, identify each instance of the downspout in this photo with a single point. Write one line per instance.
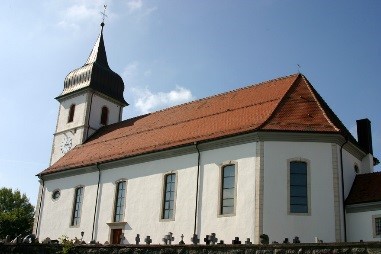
(197, 186)
(342, 189)
(96, 201)
(40, 206)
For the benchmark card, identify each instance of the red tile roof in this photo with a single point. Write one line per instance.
(365, 188)
(284, 104)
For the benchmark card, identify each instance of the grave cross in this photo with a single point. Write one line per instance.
(236, 241)
(182, 240)
(213, 238)
(195, 240)
(137, 239)
(148, 240)
(248, 241)
(207, 239)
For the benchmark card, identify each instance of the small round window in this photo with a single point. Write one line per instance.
(56, 194)
(356, 168)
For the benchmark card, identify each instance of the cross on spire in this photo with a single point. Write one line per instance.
(104, 15)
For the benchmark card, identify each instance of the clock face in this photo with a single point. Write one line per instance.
(66, 145)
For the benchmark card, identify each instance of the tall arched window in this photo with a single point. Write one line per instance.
(77, 206)
(104, 115)
(71, 113)
(298, 187)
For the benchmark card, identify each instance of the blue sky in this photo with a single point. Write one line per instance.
(169, 52)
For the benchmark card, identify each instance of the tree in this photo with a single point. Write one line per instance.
(16, 213)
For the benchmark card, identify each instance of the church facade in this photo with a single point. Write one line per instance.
(270, 158)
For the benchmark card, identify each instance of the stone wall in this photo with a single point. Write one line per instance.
(321, 248)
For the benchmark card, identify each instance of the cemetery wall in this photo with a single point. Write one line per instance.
(321, 248)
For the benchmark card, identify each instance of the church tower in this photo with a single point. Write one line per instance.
(92, 97)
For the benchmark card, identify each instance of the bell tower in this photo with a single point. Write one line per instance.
(92, 97)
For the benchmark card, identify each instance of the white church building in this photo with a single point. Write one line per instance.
(270, 158)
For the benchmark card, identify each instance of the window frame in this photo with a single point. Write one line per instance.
(72, 220)
(70, 117)
(116, 200)
(163, 199)
(374, 224)
(104, 115)
(55, 199)
(308, 174)
(220, 188)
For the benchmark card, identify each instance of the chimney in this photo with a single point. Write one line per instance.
(364, 135)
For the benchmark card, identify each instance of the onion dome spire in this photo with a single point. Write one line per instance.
(95, 75)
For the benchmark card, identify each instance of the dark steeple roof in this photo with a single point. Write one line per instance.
(95, 74)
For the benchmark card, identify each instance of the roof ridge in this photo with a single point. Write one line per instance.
(319, 103)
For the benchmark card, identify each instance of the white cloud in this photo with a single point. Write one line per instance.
(134, 5)
(81, 11)
(147, 101)
(130, 71)
(140, 9)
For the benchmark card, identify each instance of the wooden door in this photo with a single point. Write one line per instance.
(115, 236)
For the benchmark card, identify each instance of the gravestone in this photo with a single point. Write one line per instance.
(137, 239)
(47, 240)
(148, 240)
(168, 238)
(77, 241)
(264, 239)
(236, 241)
(213, 238)
(296, 240)
(195, 239)
(182, 240)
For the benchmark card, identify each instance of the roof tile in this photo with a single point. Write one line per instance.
(365, 188)
(283, 104)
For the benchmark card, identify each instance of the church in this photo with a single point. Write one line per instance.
(271, 158)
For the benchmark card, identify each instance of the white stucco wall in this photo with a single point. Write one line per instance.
(349, 161)
(145, 193)
(360, 226)
(96, 110)
(79, 114)
(144, 199)
(56, 215)
(242, 223)
(277, 223)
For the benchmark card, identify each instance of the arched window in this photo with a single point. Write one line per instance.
(71, 113)
(77, 206)
(104, 115)
(298, 187)
(120, 200)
